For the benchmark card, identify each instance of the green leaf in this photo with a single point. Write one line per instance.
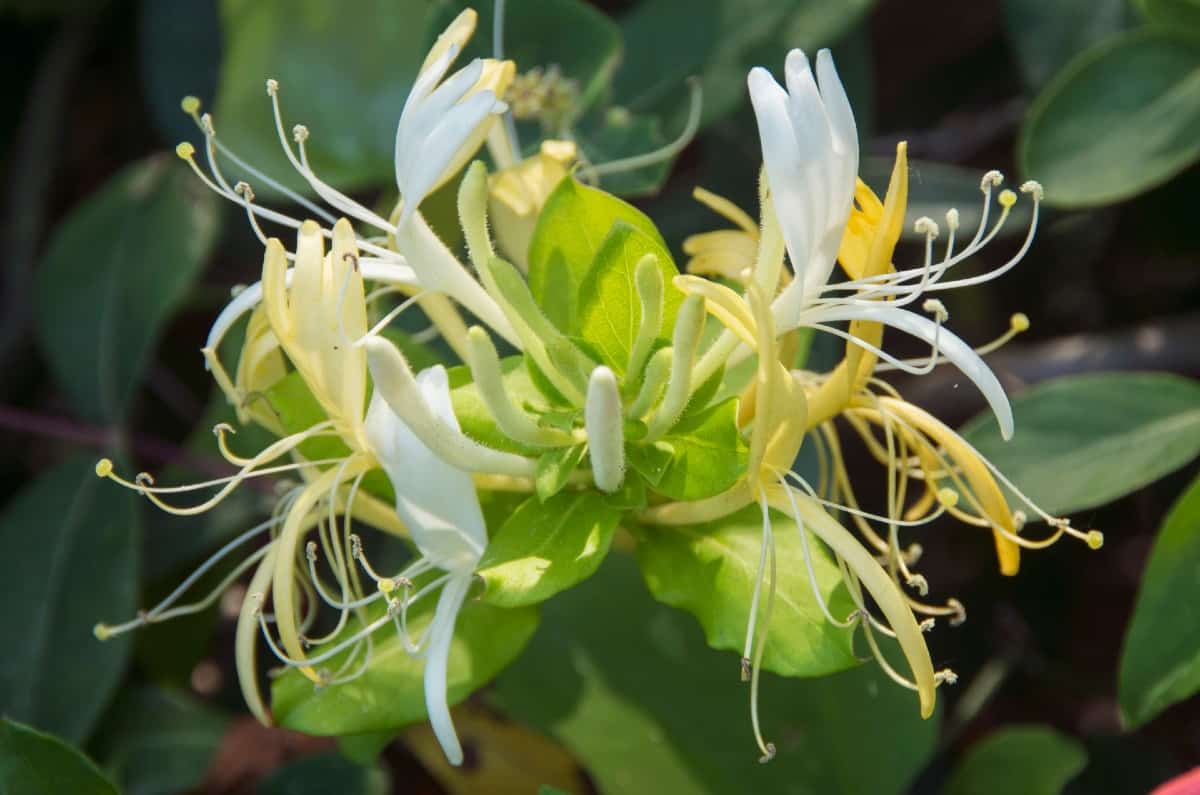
(583, 42)
(1083, 441)
(179, 48)
(1046, 36)
(554, 467)
(1179, 15)
(1160, 664)
(473, 415)
(630, 687)
(321, 774)
(547, 547)
(70, 560)
(114, 272)
(703, 455)
(617, 134)
(32, 762)
(345, 76)
(365, 748)
(610, 311)
(573, 223)
(709, 570)
(1032, 760)
(158, 741)
(545, 790)
(1117, 121)
(390, 694)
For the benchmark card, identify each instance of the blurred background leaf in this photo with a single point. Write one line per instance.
(322, 774)
(179, 53)
(1178, 15)
(33, 763)
(1160, 664)
(114, 272)
(1031, 760)
(70, 561)
(629, 685)
(1082, 441)
(1118, 120)
(1048, 35)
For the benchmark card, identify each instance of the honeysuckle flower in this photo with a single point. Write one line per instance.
(516, 195)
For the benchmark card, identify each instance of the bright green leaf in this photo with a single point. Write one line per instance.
(554, 467)
(321, 774)
(159, 742)
(365, 748)
(390, 694)
(703, 455)
(1117, 121)
(1161, 661)
(70, 561)
(709, 570)
(473, 415)
(1031, 760)
(114, 272)
(610, 311)
(573, 223)
(1046, 36)
(34, 763)
(1083, 441)
(343, 75)
(630, 687)
(1179, 15)
(547, 547)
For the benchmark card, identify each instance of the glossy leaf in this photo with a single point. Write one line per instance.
(554, 467)
(344, 76)
(1083, 441)
(703, 455)
(1117, 121)
(610, 313)
(390, 694)
(325, 773)
(33, 762)
(1046, 36)
(1160, 664)
(1032, 760)
(709, 570)
(573, 223)
(70, 561)
(629, 685)
(113, 274)
(159, 742)
(1179, 15)
(547, 547)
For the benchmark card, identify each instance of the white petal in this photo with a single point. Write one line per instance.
(950, 345)
(441, 633)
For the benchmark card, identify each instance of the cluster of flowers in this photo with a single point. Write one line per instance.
(312, 313)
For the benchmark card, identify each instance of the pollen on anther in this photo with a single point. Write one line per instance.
(243, 189)
(1033, 188)
(190, 105)
(1007, 198)
(185, 150)
(104, 467)
(936, 308)
(926, 226)
(990, 180)
(952, 218)
(1019, 322)
(300, 133)
(272, 87)
(1095, 539)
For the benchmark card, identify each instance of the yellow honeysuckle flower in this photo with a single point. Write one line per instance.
(516, 195)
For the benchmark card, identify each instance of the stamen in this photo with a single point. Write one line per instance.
(593, 172)
(767, 748)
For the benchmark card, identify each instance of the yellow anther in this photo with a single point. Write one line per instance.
(1095, 539)
(947, 497)
(1019, 322)
(387, 586)
(190, 105)
(104, 467)
(101, 632)
(1007, 198)
(185, 150)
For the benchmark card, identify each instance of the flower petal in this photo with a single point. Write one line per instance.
(441, 633)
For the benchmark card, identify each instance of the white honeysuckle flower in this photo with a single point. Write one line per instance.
(810, 154)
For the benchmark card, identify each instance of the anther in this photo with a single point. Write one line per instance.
(960, 612)
(104, 467)
(185, 150)
(300, 133)
(945, 677)
(223, 427)
(272, 87)
(745, 669)
(952, 218)
(143, 479)
(928, 624)
(352, 258)
(936, 308)
(206, 124)
(947, 497)
(386, 585)
(1034, 189)
(394, 606)
(991, 180)
(918, 583)
(102, 632)
(237, 290)
(769, 755)
(1019, 519)
(244, 190)
(1019, 322)
(310, 551)
(1095, 539)
(190, 105)
(926, 226)
(356, 547)
(1007, 198)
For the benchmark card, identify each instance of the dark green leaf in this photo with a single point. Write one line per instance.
(70, 561)
(574, 221)
(551, 791)
(1178, 15)
(1083, 441)
(390, 694)
(179, 48)
(709, 570)
(554, 467)
(618, 134)
(159, 742)
(1031, 760)
(322, 774)
(113, 274)
(1161, 661)
(364, 749)
(32, 763)
(1048, 35)
(1117, 121)
(630, 687)
(547, 547)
